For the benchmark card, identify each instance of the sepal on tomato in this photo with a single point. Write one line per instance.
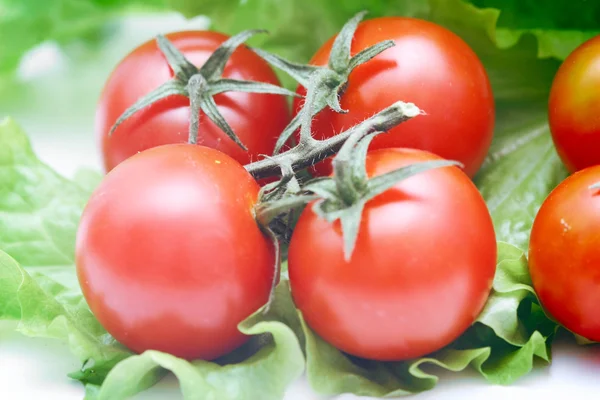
(344, 195)
(326, 84)
(201, 84)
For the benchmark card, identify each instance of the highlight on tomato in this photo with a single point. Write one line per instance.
(429, 66)
(564, 253)
(169, 256)
(573, 107)
(420, 272)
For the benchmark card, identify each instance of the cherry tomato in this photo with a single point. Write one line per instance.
(429, 66)
(169, 256)
(421, 271)
(564, 253)
(257, 119)
(574, 107)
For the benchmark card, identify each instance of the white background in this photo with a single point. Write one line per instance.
(55, 103)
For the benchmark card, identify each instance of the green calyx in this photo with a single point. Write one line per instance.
(325, 85)
(343, 196)
(200, 85)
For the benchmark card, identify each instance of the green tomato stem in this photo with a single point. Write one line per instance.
(312, 151)
(195, 86)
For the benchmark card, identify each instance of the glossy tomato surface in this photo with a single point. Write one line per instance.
(564, 253)
(574, 107)
(419, 276)
(257, 119)
(429, 66)
(169, 256)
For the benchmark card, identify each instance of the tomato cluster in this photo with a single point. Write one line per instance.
(170, 255)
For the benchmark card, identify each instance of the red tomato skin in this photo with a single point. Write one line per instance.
(564, 254)
(257, 119)
(419, 276)
(574, 107)
(169, 256)
(429, 66)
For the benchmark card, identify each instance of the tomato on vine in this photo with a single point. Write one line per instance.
(169, 255)
(429, 66)
(420, 272)
(255, 117)
(564, 253)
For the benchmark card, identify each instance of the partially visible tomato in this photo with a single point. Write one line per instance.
(421, 271)
(429, 66)
(574, 107)
(564, 253)
(257, 119)
(169, 256)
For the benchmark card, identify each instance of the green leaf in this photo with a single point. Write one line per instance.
(46, 307)
(87, 179)
(501, 345)
(39, 209)
(559, 26)
(25, 24)
(522, 168)
(10, 280)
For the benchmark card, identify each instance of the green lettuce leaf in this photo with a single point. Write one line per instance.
(39, 212)
(87, 179)
(45, 307)
(25, 24)
(510, 333)
(39, 209)
(559, 26)
(10, 280)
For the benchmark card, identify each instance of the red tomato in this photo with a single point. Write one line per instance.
(421, 271)
(429, 66)
(574, 107)
(257, 119)
(564, 253)
(169, 256)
